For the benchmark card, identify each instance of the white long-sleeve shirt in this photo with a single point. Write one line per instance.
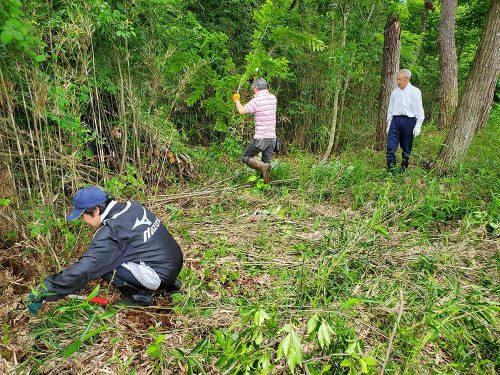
(406, 102)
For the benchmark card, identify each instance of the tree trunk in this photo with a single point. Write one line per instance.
(487, 105)
(471, 108)
(341, 112)
(338, 84)
(428, 5)
(448, 86)
(390, 67)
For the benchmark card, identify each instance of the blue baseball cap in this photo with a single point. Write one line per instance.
(86, 198)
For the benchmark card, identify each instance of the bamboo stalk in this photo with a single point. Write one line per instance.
(394, 329)
(14, 128)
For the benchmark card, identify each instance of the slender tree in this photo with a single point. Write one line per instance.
(448, 85)
(390, 67)
(338, 80)
(428, 6)
(470, 110)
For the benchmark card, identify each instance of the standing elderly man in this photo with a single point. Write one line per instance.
(263, 106)
(404, 119)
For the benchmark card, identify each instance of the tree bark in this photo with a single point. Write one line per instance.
(428, 6)
(448, 85)
(338, 84)
(487, 105)
(423, 20)
(471, 108)
(341, 112)
(390, 67)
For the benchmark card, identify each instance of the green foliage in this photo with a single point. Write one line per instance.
(290, 348)
(129, 184)
(47, 224)
(17, 32)
(154, 350)
(74, 322)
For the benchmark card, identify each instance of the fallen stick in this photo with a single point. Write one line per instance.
(389, 348)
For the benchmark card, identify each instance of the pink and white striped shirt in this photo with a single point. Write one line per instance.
(263, 105)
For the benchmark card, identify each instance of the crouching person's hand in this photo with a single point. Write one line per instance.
(35, 300)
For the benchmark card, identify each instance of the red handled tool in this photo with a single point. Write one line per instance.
(97, 300)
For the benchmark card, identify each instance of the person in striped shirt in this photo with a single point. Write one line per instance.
(263, 106)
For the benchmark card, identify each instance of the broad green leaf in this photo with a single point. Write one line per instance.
(370, 361)
(346, 362)
(258, 336)
(154, 349)
(364, 367)
(312, 323)
(6, 37)
(259, 317)
(17, 35)
(265, 362)
(291, 348)
(324, 334)
(252, 178)
(284, 347)
(351, 348)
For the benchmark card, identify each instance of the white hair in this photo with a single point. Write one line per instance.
(259, 84)
(406, 73)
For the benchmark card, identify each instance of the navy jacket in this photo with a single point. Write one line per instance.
(130, 233)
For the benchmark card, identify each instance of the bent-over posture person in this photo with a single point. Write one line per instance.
(131, 249)
(405, 116)
(263, 106)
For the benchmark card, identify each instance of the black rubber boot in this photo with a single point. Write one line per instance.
(134, 296)
(175, 287)
(404, 165)
(391, 167)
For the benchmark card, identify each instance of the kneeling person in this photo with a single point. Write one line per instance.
(132, 249)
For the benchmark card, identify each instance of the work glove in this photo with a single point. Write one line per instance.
(236, 97)
(416, 131)
(35, 300)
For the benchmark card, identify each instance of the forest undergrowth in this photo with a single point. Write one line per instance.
(332, 268)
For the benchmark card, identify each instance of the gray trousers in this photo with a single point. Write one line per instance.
(264, 145)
